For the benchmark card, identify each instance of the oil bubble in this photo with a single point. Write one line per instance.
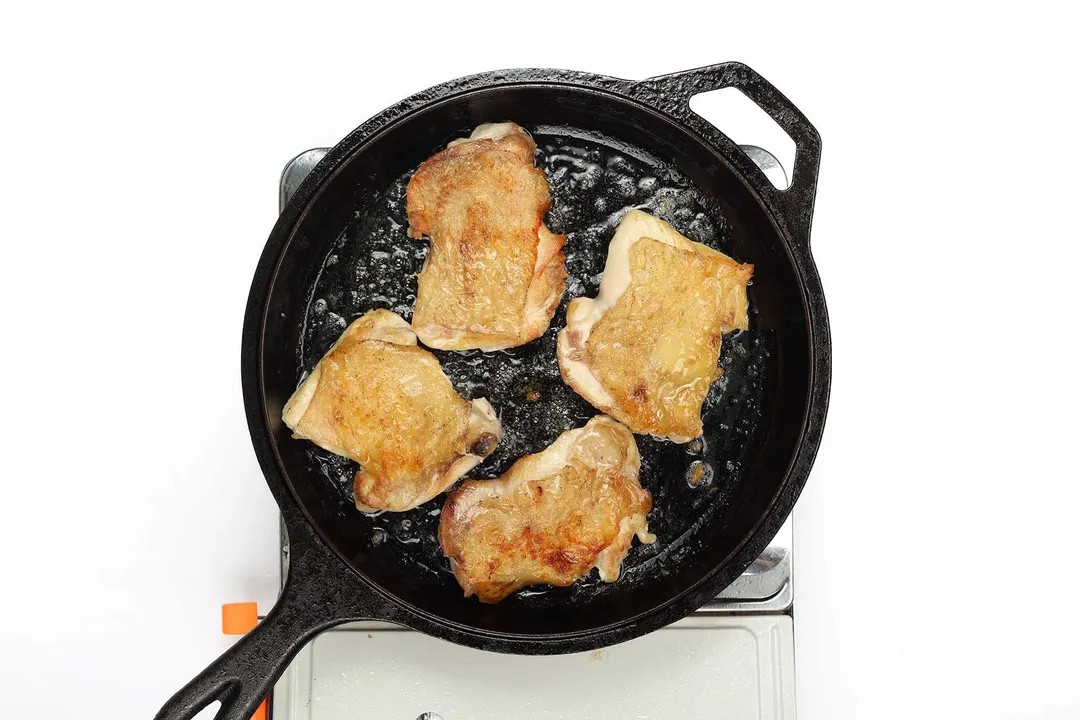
(699, 474)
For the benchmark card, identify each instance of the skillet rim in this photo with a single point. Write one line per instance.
(304, 534)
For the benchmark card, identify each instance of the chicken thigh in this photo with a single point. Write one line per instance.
(645, 350)
(551, 517)
(495, 273)
(380, 400)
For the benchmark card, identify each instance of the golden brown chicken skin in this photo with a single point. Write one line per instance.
(380, 400)
(495, 273)
(550, 518)
(645, 350)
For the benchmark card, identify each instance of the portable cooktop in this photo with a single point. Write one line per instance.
(733, 658)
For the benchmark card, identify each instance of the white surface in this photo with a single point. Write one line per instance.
(945, 231)
(702, 667)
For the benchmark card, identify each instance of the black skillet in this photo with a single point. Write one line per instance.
(339, 249)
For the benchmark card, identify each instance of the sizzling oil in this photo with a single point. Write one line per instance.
(594, 182)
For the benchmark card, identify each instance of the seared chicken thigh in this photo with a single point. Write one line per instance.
(645, 350)
(380, 400)
(495, 273)
(551, 517)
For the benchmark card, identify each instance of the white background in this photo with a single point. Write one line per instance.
(937, 568)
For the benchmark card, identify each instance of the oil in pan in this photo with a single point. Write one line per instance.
(594, 182)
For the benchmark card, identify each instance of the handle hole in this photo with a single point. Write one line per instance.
(739, 117)
(209, 712)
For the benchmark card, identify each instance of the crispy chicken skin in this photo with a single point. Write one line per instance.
(551, 517)
(495, 273)
(645, 350)
(380, 400)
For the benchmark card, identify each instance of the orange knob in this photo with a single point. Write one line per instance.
(239, 618)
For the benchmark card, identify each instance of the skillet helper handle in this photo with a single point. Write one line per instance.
(672, 93)
(313, 600)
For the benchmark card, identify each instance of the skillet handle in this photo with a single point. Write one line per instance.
(672, 93)
(313, 599)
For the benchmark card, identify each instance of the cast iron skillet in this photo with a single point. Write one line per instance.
(338, 249)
